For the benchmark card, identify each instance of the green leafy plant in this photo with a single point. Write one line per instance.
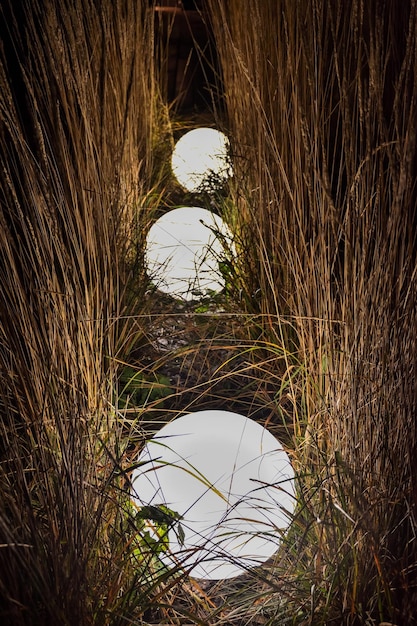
(162, 519)
(138, 389)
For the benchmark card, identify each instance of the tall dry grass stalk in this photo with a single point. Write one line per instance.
(321, 103)
(79, 114)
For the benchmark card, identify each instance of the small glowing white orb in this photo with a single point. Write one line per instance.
(183, 250)
(200, 160)
(231, 482)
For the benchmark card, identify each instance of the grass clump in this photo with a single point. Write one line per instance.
(321, 105)
(78, 108)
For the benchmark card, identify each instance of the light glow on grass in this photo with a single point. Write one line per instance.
(183, 251)
(230, 481)
(200, 160)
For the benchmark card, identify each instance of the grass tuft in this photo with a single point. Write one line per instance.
(79, 111)
(321, 108)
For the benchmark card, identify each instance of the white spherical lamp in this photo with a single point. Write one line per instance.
(231, 482)
(200, 160)
(183, 250)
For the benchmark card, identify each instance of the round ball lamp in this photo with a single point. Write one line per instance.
(230, 486)
(183, 250)
(200, 160)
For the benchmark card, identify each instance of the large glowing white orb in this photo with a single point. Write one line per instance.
(183, 250)
(200, 160)
(232, 483)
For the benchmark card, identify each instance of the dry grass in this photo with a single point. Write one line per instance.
(321, 107)
(316, 340)
(79, 112)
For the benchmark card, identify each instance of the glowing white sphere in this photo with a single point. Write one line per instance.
(200, 159)
(232, 483)
(183, 250)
